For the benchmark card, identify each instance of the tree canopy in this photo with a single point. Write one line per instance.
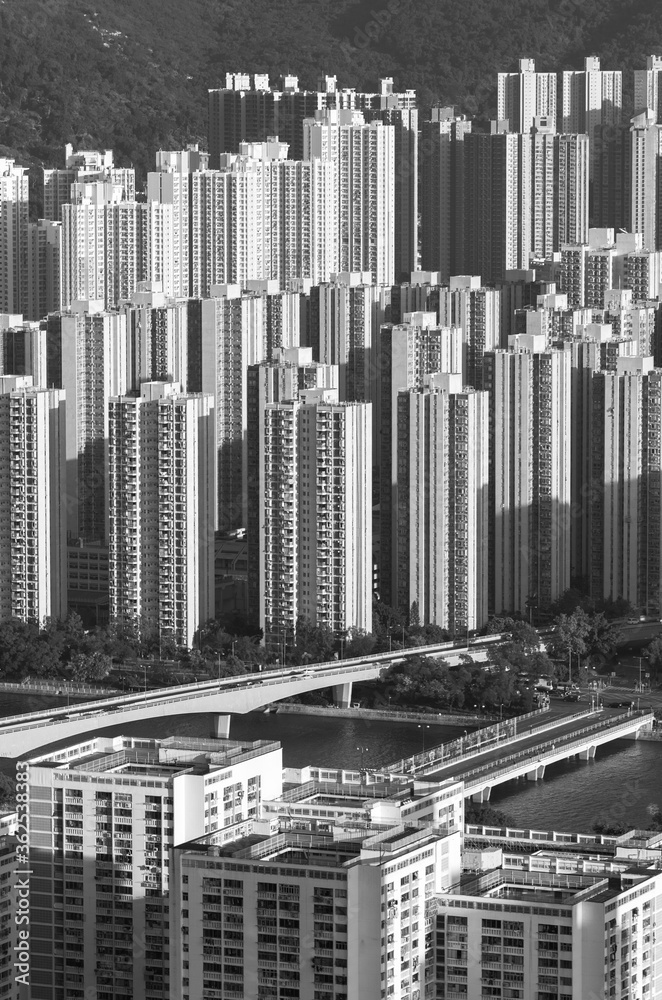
(134, 77)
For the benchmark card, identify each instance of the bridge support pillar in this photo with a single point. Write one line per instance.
(342, 695)
(536, 773)
(587, 754)
(221, 727)
(483, 795)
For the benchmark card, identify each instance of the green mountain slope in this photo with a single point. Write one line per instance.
(133, 76)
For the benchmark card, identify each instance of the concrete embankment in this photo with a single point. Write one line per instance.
(430, 718)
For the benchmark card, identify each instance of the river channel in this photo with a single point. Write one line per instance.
(623, 783)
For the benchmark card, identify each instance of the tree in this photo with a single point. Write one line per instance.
(509, 655)
(517, 630)
(541, 665)
(63, 636)
(610, 829)
(653, 653)
(603, 637)
(571, 635)
(385, 620)
(525, 636)
(232, 667)
(499, 625)
(570, 601)
(619, 608)
(7, 792)
(359, 643)
(89, 666)
(249, 650)
(23, 652)
(212, 638)
(432, 634)
(483, 814)
(312, 643)
(121, 639)
(417, 681)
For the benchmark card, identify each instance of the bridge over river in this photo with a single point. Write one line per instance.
(221, 698)
(485, 761)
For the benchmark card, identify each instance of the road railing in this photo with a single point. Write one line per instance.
(178, 695)
(474, 744)
(576, 739)
(348, 665)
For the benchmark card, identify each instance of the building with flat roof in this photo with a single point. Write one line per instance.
(103, 815)
(590, 98)
(529, 474)
(86, 353)
(161, 493)
(407, 353)
(544, 926)
(442, 504)
(364, 800)
(44, 293)
(442, 191)
(90, 165)
(12, 867)
(364, 155)
(308, 916)
(647, 87)
(13, 237)
(32, 501)
(526, 95)
(316, 459)
(624, 499)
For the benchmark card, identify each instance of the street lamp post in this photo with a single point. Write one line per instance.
(423, 727)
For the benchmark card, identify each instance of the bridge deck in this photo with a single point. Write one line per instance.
(546, 743)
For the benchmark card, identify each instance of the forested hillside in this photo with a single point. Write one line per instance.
(133, 76)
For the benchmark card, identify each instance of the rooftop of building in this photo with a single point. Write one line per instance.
(359, 791)
(584, 844)
(167, 757)
(566, 889)
(307, 849)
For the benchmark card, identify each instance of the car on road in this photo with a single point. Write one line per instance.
(619, 704)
